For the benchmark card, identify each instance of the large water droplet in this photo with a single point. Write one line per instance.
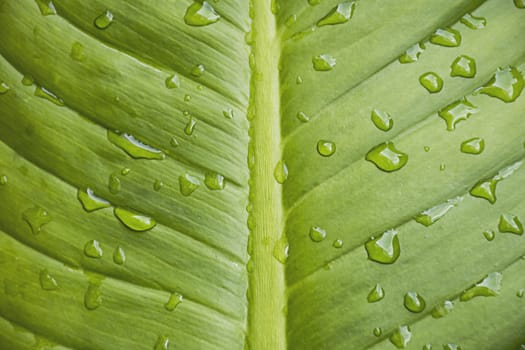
(475, 145)
(162, 343)
(485, 189)
(457, 112)
(488, 287)
(519, 4)
(325, 148)
(201, 14)
(430, 216)
(104, 20)
(134, 221)
(463, 66)
(387, 157)
(280, 249)
(447, 37)
(443, 309)
(382, 120)
(42, 92)
(473, 22)
(376, 294)
(92, 297)
(174, 300)
(384, 249)
(134, 147)
(4, 88)
(36, 217)
(414, 302)
(401, 337)
(188, 184)
(432, 82)
(119, 256)
(506, 84)
(412, 53)
(46, 7)
(339, 14)
(511, 224)
(47, 281)
(114, 183)
(90, 202)
(323, 62)
(92, 249)
(190, 126)
(281, 172)
(317, 234)
(214, 181)
(172, 82)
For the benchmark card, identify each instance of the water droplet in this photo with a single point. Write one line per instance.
(228, 113)
(134, 221)
(47, 281)
(46, 7)
(414, 302)
(281, 249)
(451, 347)
(489, 235)
(77, 52)
(378, 332)
(506, 84)
(510, 223)
(157, 185)
(387, 157)
(302, 117)
(125, 171)
(290, 21)
(520, 293)
(275, 7)
(376, 294)
(382, 120)
(442, 309)
(339, 14)
(325, 148)
(430, 216)
(3, 179)
(250, 266)
(114, 183)
(162, 343)
(427, 347)
(281, 172)
(519, 4)
(474, 145)
(173, 142)
(27, 80)
(299, 80)
(188, 184)
(485, 189)
(198, 70)
(457, 112)
(200, 14)
(338, 243)
(489, 286)
(90, 202)
(447, 37)
(92, 249)
(42, 92)
(401, 337)
(323, 62)
(92, 298)
(473, 22)
(214, 181)
(426, 149)
(384, 249)
(172, 82)
(317, 234)
(463, 66)
(314, 2)
(104, 20)
(119, 256)
(36, 217)
(134, 147)
(442, 167)
(174, 300)
(412, 53)
(432, 82)
(190, 126)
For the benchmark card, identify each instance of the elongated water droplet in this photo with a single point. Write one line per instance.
(382, 120)
(378, 332)
(325, 148)
(520, 293)
(119, 256)
(104, 20)
(387, 157)
(323, 62)
(134, 221)
(281, 172)
(157, 185)
(275, 7)
(451, 346)
(90, 202)
(290, 21)
(172, 82)
(190, 126)
(162, 343)
(376, 294)
(280, 249)
(299, 80)
(432, 82)
(77, 52)
(338, 243)
(430, 216)
(302, 117)
(414, 302)
(510, 224)
(174, 142)
(47, 281)
(384, 249)
(188, 184)
(42, 92)
(3, 180)
(317, 234)
(27, 80)
(473, 22)
(174, 300)
(506, 84)
(4, 88)
(92, 297)
(198, 70)
(443, 309)
(228, 113)
(214, 181)
(485, 189)
(519, 4)
(134, 147)
(447, 37)
(46, 7)
(457, 112)
(475, 145)
(36, 217)
(92, 249)
(401, 337)
(114, 183)
(427, 347)
(412, 53)
(201, 14)
(463, 66)
(488, 287)
(489, 235)
(339, 14)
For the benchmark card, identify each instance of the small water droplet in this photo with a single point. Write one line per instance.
(473, 22)
(104, 20)
(190, 126)
(92, 249)
(3, 179)
(157, 185)
(214, 181)
(323, 62)
(201, 14)
(317, 234)
(198, 70)
(457, 112)
(340, 14)
(427, 347)
(114, 183)
(387, 157)
(414, 302)
(485, 189)
(382, 120)
(442, 167)
(119, 256)
(77, 52)
(36, 217)
(475, 145)
(134, 221)
(188, 184)
(281, 249)
(338, 243)
(125, 171)
(489, 235)
(42, 92)
(325, 148)
(302, 117)
(47, 281)
(489, 286)
(463, 66)
(290, 21)
(92, 298)
(90, 202)
(451, 346)
(173, 142)
(299, 80)
(228, 113)
(27, 80)
(172, 82)
(432, 82)
(376, 294)
(275, 7)
(520, 293)
(281, 172)
(510, 224)
(162, 343)
(506, 84)
(378, 332)
(519, 4)
(314, 2)
(442, 309)
(430, 216)
(401, 337)
(384, 249)
(412, 53)
(134, 147)
(46, 7)
(250, 266)
(447, 37)
(174, 300)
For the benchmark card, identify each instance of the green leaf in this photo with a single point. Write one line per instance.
(262, 175)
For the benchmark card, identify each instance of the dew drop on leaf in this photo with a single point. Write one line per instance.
(27, 80)
(36, 217)
(228, 113)
(442, 309)
(157, 185)
(281, 172)
(342, 13)
(338, 243)
(325, 148)
(188, 184)
(46, 7)
(323, 62)
(114, 183)
(384, 249)
(190, 126)
(104, 20)
(299, 80)
(427, 347)
(3, 180)
(376, 294)
(172, 82)
(463, 66)
(412, 53)
(378, 332)
(457, 112)
(200, 14)
(302, 117)
(174, 300)
(473, 22)
(489, 235)
(314, 2)
(90, 202)
(475, 145)
(447, 37)
(174, 142)
(485, 189)
(133, 147)
(47, 281)
(119, 256)
(451, 346)
(506, 84)
(214, 181)
(317, 234)
(431, 82)
(162, 343)
(198, 70)
(401, 337)
(125, 171)
(387, 157)
(92, 297)
(77, 52)
(414, 302)
(92, 249)
(281, 249)
(489, 286)
(519, 4)
(520, 293)
(4, 88)
(430, 216)
(134, 221)
(510, 224)
(382, 120)
(42, 92)
(290, 21)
